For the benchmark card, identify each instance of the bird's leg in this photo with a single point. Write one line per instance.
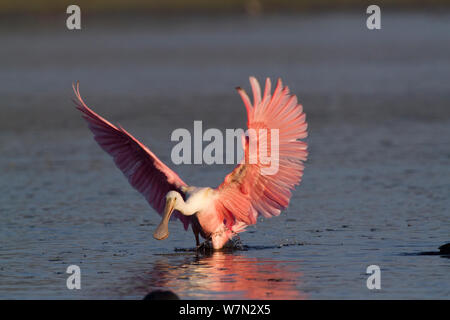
(197, 240)
(196, 231)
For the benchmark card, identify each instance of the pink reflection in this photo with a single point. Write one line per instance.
(231, 276)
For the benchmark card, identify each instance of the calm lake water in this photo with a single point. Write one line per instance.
(375, 190)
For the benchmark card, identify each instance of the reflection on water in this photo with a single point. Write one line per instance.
(227, 276)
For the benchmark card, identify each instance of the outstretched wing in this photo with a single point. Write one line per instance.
(253, 188)
(145, 172)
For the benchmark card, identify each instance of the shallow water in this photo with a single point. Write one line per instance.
(375, 190)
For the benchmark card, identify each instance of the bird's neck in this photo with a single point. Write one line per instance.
(187, 208)
(196, 201)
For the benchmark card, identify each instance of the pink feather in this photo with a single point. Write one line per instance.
(144, 171)
(246, 192)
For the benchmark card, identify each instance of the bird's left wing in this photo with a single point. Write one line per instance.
(252, 188)
(144, 171)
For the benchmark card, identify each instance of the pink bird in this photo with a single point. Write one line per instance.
(218, 214)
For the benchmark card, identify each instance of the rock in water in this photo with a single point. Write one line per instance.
(445, 248)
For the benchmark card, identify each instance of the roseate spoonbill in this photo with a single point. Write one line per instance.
(216, 214)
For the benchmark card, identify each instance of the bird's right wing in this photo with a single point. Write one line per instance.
(144, 171)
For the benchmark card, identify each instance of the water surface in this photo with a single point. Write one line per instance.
(375, 190)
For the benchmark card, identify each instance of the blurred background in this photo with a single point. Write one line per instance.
(376, 185)
(203, 6)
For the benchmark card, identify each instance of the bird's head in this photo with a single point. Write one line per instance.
(162, 232)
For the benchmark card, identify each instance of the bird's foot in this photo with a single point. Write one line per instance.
(205, 246)
(233, 244)
(236, 243)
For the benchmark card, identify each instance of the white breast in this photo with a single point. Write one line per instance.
(198, 199)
